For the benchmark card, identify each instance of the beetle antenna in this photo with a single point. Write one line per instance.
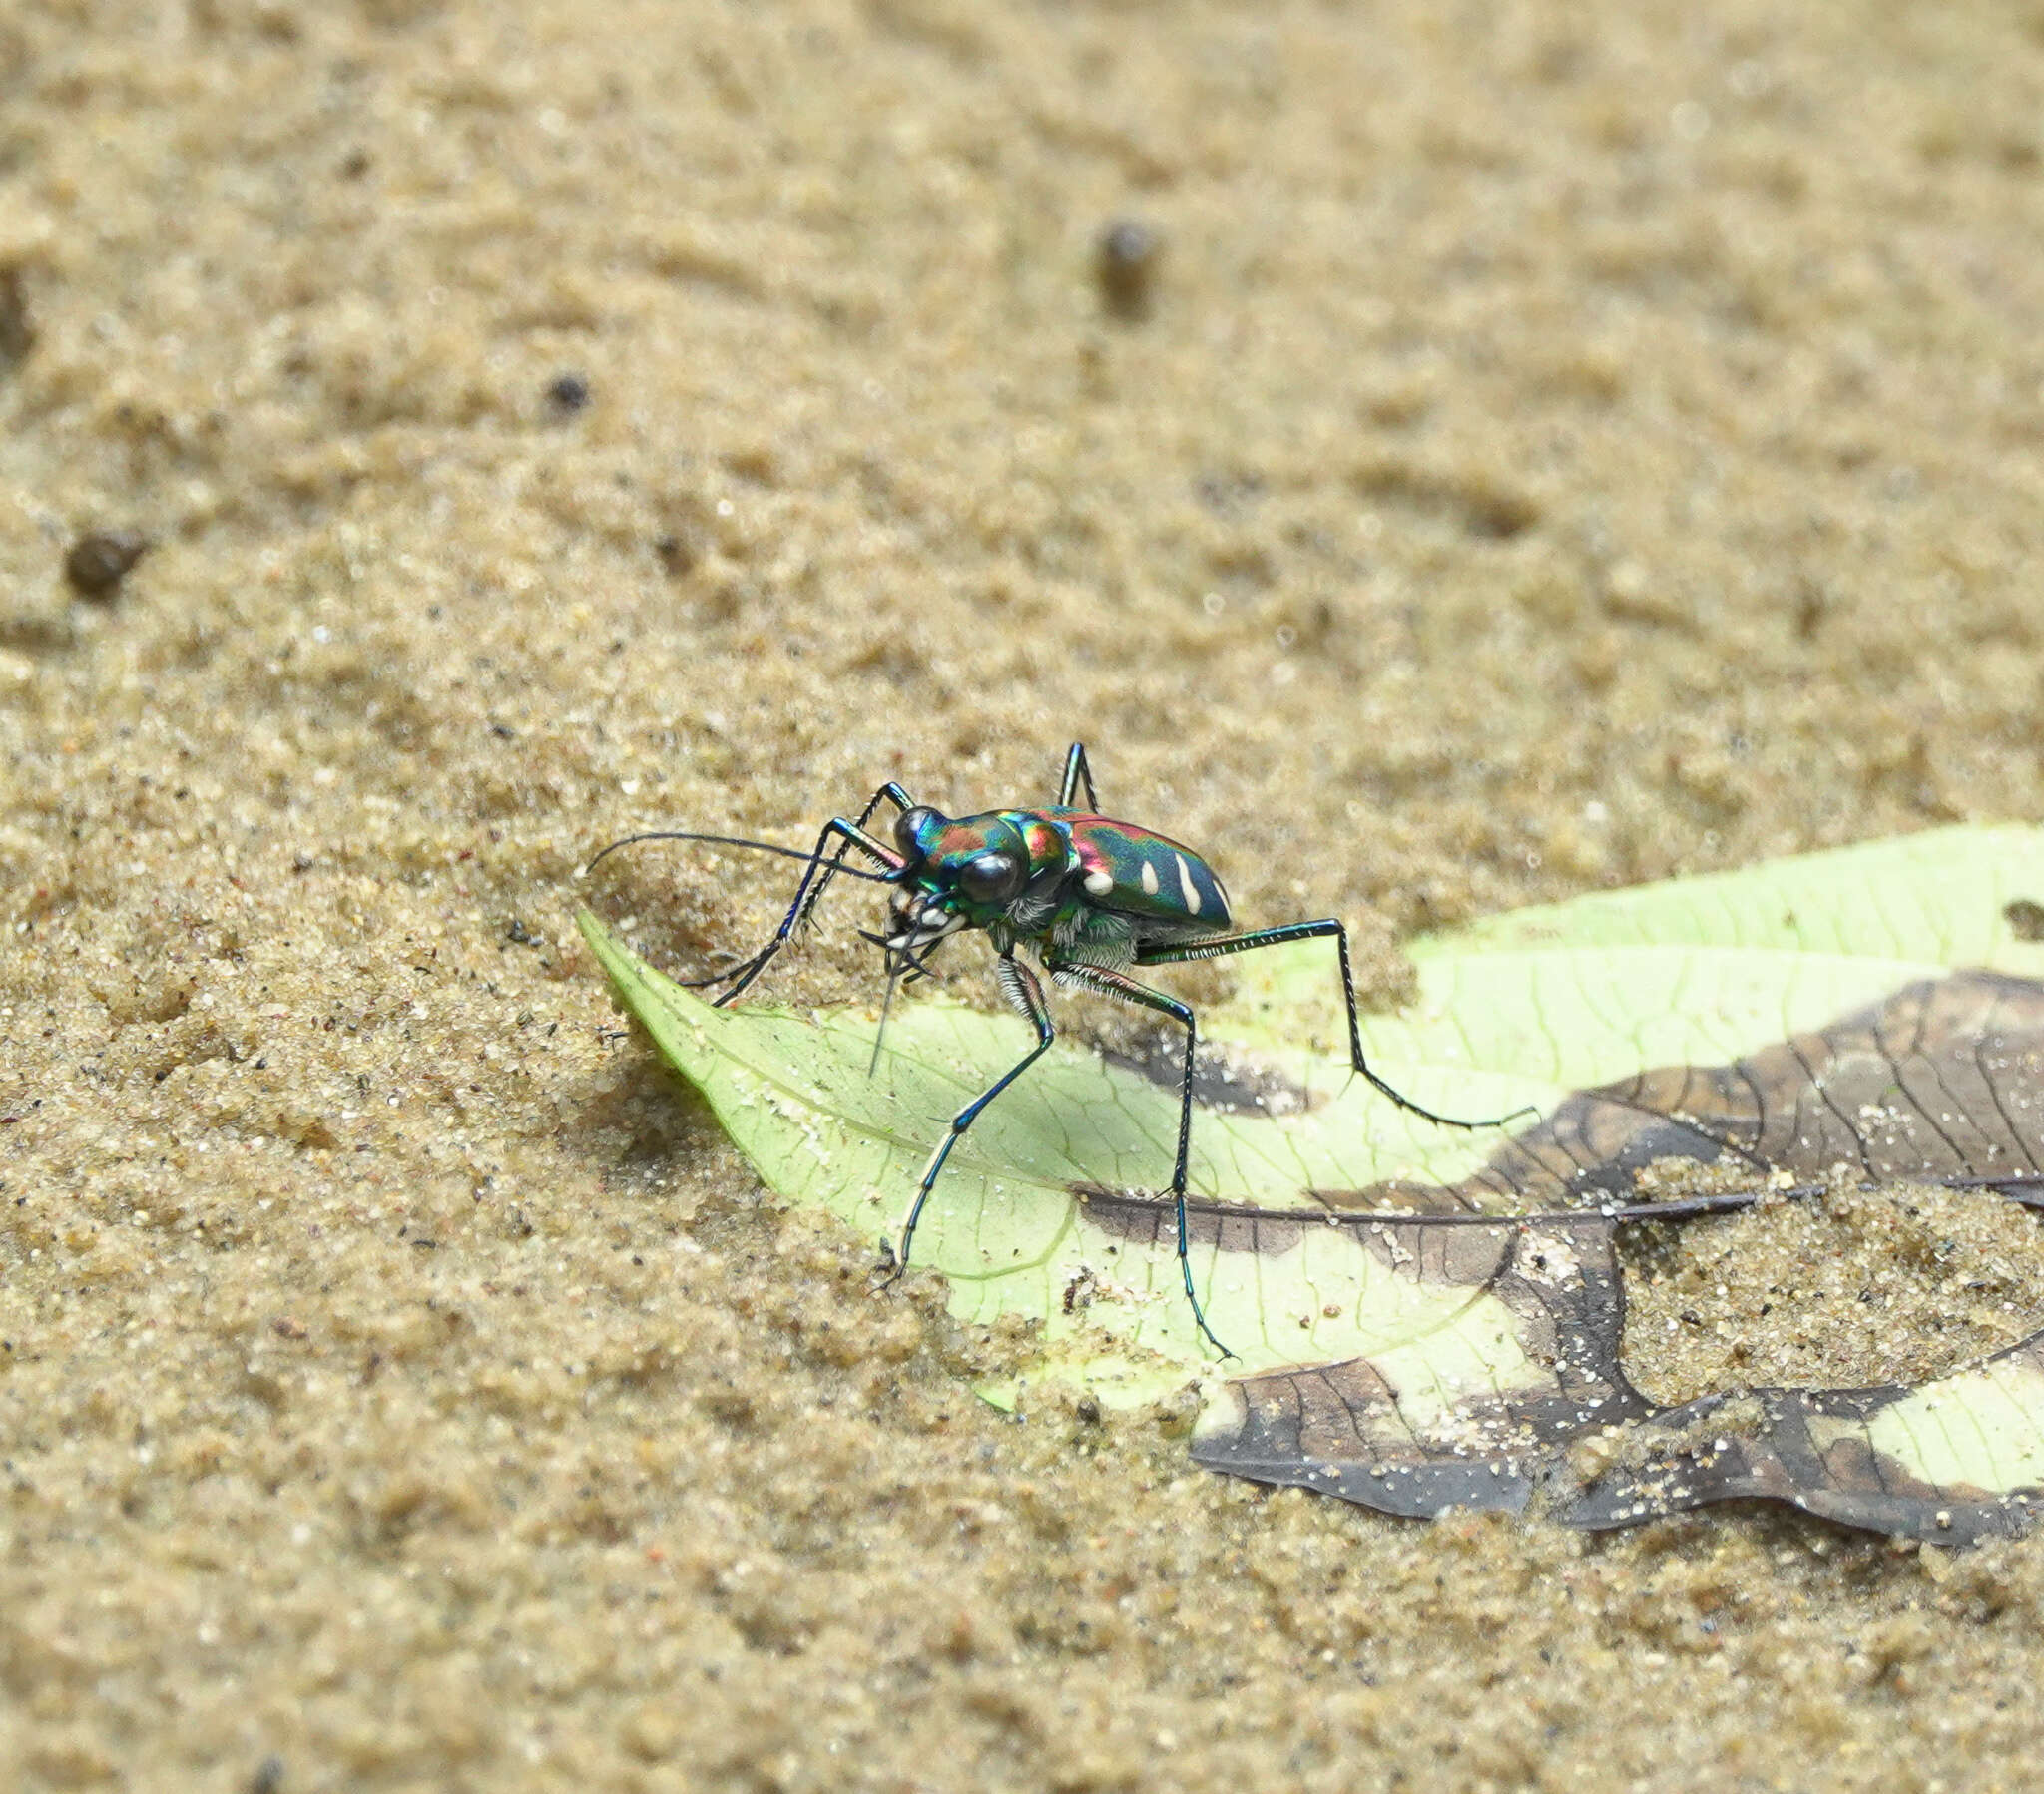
(787, 853)
(899, 960)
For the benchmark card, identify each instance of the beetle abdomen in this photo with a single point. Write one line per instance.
(1149, 875)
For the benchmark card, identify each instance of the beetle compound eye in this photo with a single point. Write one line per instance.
(991, 877)
(907, 826)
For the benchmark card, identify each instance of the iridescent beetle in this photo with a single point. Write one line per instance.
(1088, 895)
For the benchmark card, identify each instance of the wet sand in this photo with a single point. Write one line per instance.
(1547, 451)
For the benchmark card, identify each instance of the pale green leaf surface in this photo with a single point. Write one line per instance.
(1517, 1009)
(1003, 1227)
(1694, 971)
(1979, 1428)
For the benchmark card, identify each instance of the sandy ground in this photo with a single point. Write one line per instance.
(1553, 447)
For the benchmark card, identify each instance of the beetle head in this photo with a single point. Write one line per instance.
(955, 875)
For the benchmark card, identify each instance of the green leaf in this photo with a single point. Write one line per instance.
(1005, 1224)
(1775, 1021)
(1694, 971)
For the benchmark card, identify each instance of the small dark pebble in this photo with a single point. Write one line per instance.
(676, 554)
(2025, 919)
(1125, 262)
(99, 561)
(568, 393)
(269, 1776)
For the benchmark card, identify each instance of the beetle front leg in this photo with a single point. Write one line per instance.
(1112, 984)
(815, 880)
(854, 835)
(1024, 994)
(1314, 931)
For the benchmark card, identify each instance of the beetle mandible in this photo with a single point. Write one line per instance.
(1089, 896)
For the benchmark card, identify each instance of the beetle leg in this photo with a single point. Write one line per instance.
(814, 882)
(1312, 931)
(1077, 774)
(1112, 983)
(1019, 986)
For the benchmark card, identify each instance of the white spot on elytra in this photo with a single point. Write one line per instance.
(1100, 883)
(1149, 879)
(1186, 888)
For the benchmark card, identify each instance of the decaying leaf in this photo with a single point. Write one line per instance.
(1426, 1319)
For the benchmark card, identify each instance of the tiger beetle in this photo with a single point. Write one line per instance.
(1089, 896)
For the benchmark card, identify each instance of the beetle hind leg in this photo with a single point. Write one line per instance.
(1110, 983)
(1283, 935)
